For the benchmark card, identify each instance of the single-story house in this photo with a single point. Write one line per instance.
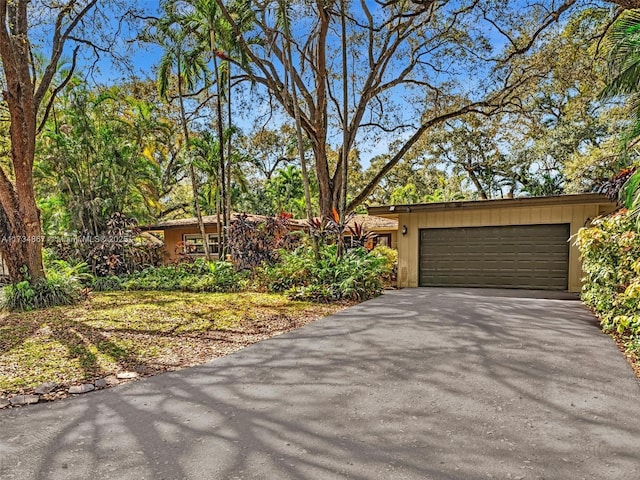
(505, 243)
(384, 229)
(183, 235)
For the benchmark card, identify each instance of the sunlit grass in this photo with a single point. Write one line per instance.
(125, 330)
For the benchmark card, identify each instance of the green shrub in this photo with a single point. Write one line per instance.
(218, 277)
(197, 276)
(111, 283)
(293, 269)
(357, 275)
(18, 297)
(62, 286)
(611, 260)
(390, 263)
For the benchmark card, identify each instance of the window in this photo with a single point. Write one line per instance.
(349, 241)
(193, 244)
(383, 239)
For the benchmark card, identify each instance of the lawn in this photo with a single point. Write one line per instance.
(145, 332)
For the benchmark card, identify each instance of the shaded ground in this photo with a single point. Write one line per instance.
(416, 384)
(147, 332)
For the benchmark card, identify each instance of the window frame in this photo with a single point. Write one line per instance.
(195, 239)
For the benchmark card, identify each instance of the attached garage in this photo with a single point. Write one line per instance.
(506, 243)
(516, 256)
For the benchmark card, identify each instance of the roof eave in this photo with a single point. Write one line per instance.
(392, 211)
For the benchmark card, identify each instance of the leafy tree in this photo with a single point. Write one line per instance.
(396, 50)
(103, 152)
(286, 191)
(29, 98)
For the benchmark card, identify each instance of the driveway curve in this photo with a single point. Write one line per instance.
(416, 384)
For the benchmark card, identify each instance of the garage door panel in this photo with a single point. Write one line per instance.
(521, 256)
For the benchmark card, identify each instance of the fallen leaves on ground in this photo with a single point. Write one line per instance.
(147, 332)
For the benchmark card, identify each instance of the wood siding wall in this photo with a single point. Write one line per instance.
(408, 245)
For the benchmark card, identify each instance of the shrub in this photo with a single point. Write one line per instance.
(112, 283)
(390, 257)
(218, 277)
(356, 275)
(293, 269)
(611, 260)
(62, 286)
(256, 242)
(118, 251)
(197, 276)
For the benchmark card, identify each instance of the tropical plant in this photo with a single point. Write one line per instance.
(103, 152)
(610, 251)
(120, 250)
(630, 196)
(390, 257)
(356, 275)
(62, 286)
(197, 276)
(624, 72)
(254, 242)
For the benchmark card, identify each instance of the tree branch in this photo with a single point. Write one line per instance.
(57, 90)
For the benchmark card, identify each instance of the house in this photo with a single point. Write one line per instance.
(183, 235)
(384, 229)
(505, 243)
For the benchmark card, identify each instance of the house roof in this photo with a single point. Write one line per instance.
(367, 221)
(208, 220)
(392, 211)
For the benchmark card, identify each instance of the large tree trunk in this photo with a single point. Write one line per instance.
(20, 231)
(20, 219)
(20, 245)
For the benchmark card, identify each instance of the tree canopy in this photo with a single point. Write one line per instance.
(302, 106)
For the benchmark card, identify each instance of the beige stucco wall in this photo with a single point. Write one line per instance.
(408, 245)
(175, 235)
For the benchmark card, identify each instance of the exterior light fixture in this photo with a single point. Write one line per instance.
(404, 229)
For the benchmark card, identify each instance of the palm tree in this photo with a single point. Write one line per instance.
(624, 73)
(216, 37)
(184, 58)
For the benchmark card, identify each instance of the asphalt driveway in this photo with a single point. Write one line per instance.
(416, 384)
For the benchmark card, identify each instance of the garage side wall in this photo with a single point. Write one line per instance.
(408, 245)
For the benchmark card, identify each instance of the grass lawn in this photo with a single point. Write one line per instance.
(147, 332)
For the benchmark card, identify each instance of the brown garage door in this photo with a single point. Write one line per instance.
(520, 256)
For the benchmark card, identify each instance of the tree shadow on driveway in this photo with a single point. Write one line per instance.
(417, 384)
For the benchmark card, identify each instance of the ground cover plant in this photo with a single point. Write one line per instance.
(196, 276)
(610, 251)
(147, 332)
